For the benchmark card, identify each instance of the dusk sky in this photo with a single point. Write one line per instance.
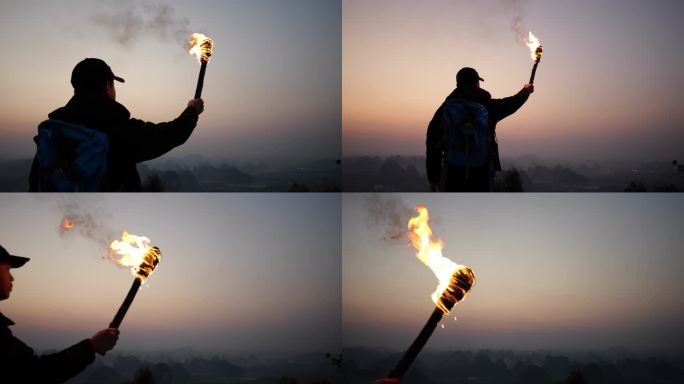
(240, 273)
(272, 88)
(608, 84)
(557, 272)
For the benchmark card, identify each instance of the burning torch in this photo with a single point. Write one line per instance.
(135, 252)
(454, 283)
(201, 46)
(536, 51)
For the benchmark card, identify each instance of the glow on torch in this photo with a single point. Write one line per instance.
(134, 252)
(454, 283)
(202, 47)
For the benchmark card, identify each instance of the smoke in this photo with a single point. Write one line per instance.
(128, 21)
(518, 9)
(390, 214)
(89, 222)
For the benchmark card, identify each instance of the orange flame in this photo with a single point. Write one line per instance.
(66, 224)
(135, 252)
(201, 46)
(535, 46)
(429, 251)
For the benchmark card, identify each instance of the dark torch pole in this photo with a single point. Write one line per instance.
(118, 318)
(146, 267)
(418, 344)
(200, 80)
(461, 282)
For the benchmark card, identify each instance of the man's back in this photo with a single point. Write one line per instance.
(131, 141)
(478, 178)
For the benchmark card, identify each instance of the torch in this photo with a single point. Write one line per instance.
(135, 252)
(536, 51)
(455, 282)
(200, 46)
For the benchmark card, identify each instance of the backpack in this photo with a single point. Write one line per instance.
(468, 136)
(71, 158)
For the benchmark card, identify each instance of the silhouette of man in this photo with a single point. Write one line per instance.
(450, 178)
(18, 363)
(131, 141)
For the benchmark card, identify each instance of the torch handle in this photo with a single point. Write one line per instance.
(126, 303)
(418, 344)
(200, 80)
(534, 71)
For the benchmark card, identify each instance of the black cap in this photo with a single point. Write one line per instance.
(14, 261)
(467, 77)
(92, 74)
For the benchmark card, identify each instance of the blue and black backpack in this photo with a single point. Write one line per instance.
(468, 136)
(72, 158)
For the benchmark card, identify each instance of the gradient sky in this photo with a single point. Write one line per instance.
(240, 273)
(608, 85)
(272, 88)
(553, 271)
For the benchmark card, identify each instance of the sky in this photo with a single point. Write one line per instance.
(607, 86)
(272, 87)
(239, 273)
(562, 272)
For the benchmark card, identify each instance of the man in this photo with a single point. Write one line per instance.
(18, 363)
(128, 141)
(446, 176)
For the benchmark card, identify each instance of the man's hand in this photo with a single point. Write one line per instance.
(529, 87)
(197, 104)
(104, 340)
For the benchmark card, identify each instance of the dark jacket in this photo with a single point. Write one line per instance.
(131, 141)
(497, 109)
(18, 363)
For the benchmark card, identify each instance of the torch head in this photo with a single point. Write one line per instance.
(150, 260)
(538, 53)
(201, 46)
(461, 282)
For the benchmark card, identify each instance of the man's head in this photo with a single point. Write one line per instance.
(94, 76)
(8, 262)
(468, 78)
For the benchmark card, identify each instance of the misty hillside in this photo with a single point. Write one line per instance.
(188, 367)
(523, 174)
(197, 174)
(362, 365)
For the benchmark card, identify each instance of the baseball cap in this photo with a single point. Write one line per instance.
(91, 74)
(14, 261)
(467, 76)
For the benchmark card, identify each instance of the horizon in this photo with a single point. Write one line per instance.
(214, 287)
(593, 96)
(264, 52)
(553, 271)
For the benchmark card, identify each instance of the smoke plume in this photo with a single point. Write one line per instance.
(518, 9)
(390, 214)
(128, 21)
(80, 219)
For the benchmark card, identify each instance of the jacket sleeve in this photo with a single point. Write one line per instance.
(502, 108)
(20, 365)
(146, 141)
(434, 147)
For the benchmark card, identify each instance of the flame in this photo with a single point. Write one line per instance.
(535, 46)
(201, 46)
(66, 224)
(454, 279)
(135, 252)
